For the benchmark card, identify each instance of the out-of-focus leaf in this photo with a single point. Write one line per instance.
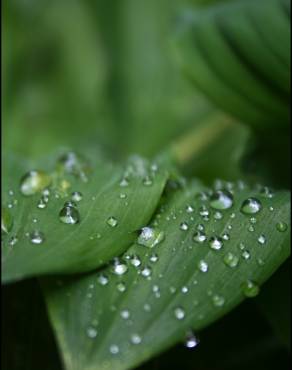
(179, 285)
(91, 242)
(27, 339)
(238, 54)
(275, 303)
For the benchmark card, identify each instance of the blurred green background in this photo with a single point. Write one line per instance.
(103, 74)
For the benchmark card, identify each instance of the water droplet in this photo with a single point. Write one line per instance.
(135, 261)
(226, 236)
(251, 206)
(153, 258)
(74, 164)
(91, 332)
(221, 200)
(6, 220)
(114, 349)
(245, 255)
(203, 266)
(218, 301)
(76, 196)
(124, 183)
(179, 313)
(191, 340)
(150, 237)
(199, 237)
(103, 279)
(189, 209)
(146, 272)
(42, 203)
(200, 227)
(125, 314)
(184, 226)
(147, 181)
(266, 192)
(69, 214)
(218, 215)
(147, 307)
(184, 289)
(204, 211)
(231, 260)
(123, 196)
(136, 339)
(282, 226)
(253, 220)
(216, 243)
(262, 239)
(34, 181)
(112, 221)
(13, 241)
(121, 287)
(119, 268)
(36, 237)
(250, 289)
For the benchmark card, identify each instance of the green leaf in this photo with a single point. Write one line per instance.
(91, 242)
(89, 329)
(238, 54)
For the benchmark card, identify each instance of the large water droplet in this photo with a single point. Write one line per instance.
(36, 237)
(221, 200)
(34, 181)
(146, 271)
(250, 288)
(69, 214)
(135, 261)
(150, 237)
(6, 220)
(251, 206)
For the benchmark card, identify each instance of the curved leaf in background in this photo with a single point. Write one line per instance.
(238, 54)
(216, 251)
(115, 202)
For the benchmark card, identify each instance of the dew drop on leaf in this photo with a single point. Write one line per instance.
(114, 349)
(203, 266)
(179, 313)
(199, 237)
(112, 221)
(91, 332)
(231, 260)
(150, 237)
(135, 261)
(103, 279)
(69, 214)
(191, 341)
(34, 181)
(125, 314)
(251, 206)
(250, 288)
(221, 200)
(6, 220)
(218, 301)
(136, 339)
(184, 226)
(216, 243)
(119, 268)
(262, 239)
(282, 227)
(36, 237)
(76, 196)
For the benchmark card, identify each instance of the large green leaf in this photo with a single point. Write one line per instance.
(151, 307)
(91, 242)
(238, 54)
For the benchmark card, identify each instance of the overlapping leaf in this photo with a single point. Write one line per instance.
(180, 284)
(91, 242)
(238, 54)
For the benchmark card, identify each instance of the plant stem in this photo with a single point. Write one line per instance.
(189, 145)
